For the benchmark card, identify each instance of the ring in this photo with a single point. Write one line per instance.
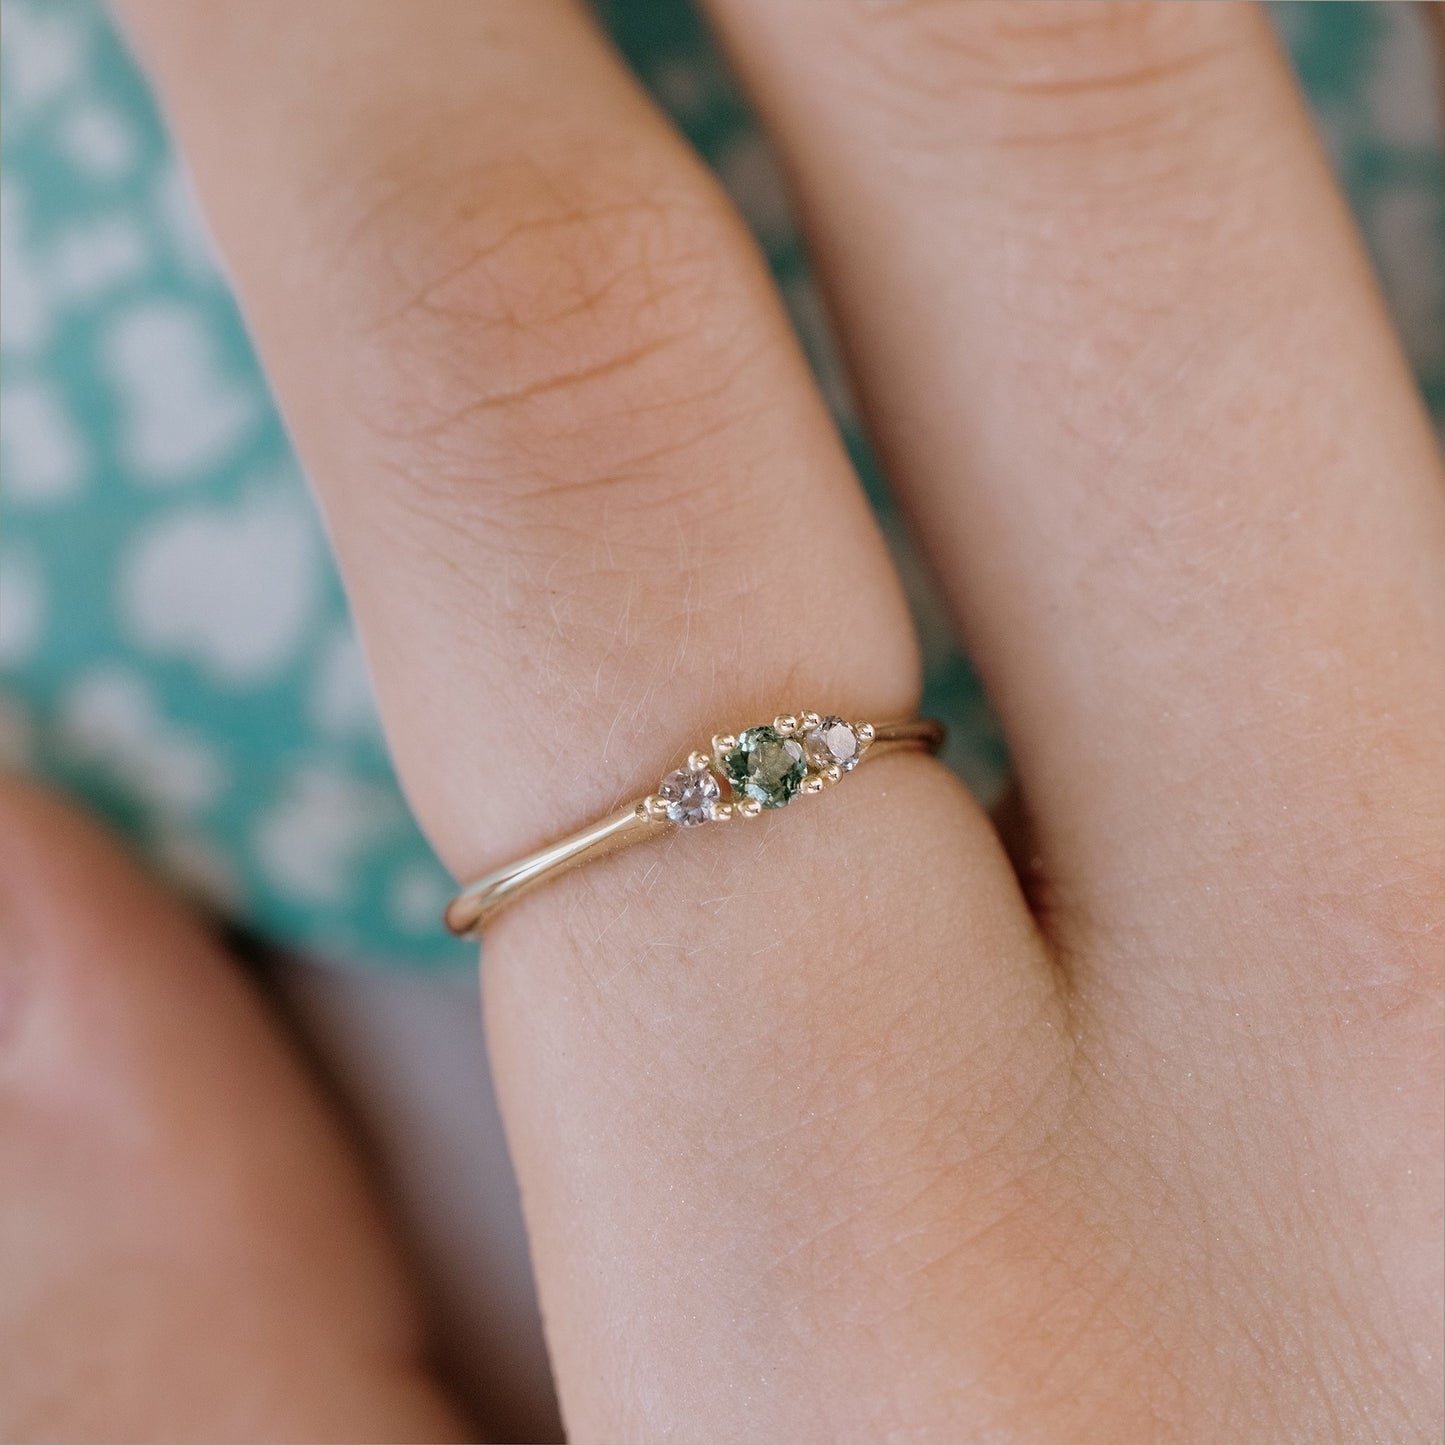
(739, 776)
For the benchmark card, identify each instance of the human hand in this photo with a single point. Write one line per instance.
(855, 1123)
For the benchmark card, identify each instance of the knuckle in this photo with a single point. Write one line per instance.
(1041, 74)
(558, 324)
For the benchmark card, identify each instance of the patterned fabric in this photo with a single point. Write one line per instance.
(174, 641)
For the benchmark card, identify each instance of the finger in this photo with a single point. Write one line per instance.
(188, 1248)
(1118, 340)
(565, 442)
(590, 511)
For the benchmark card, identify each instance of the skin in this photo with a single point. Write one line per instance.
(852, 1123)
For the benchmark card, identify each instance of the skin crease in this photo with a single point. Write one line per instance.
(827, 1128)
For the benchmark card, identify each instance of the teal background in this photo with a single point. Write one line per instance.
(174, 641)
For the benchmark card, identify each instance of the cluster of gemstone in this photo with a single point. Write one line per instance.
(765, 767)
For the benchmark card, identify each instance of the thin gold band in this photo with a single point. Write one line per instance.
(739, 777)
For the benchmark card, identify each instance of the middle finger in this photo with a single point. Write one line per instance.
(1118, 340)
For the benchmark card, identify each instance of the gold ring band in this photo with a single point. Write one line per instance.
(737, 776)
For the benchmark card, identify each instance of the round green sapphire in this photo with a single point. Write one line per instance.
(767, 766)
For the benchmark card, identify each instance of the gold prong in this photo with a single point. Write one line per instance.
(831, 773)
(698, 762)
(786, 724)
(653, 807)
(723, 743)
(747, 807)
(810, 785)
(807, 721)
(865, 733)
(722, 813)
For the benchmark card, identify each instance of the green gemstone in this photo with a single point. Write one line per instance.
(767, 766)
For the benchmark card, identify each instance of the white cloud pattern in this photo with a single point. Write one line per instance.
(22, 605)
(341, 702)
(310, 839)
(110, 720)
(232, 589)
(180, 413)
(42, 455)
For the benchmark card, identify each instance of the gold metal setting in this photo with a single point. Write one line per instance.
(707, 798)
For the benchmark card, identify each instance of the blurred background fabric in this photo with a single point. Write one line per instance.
(174, 641)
